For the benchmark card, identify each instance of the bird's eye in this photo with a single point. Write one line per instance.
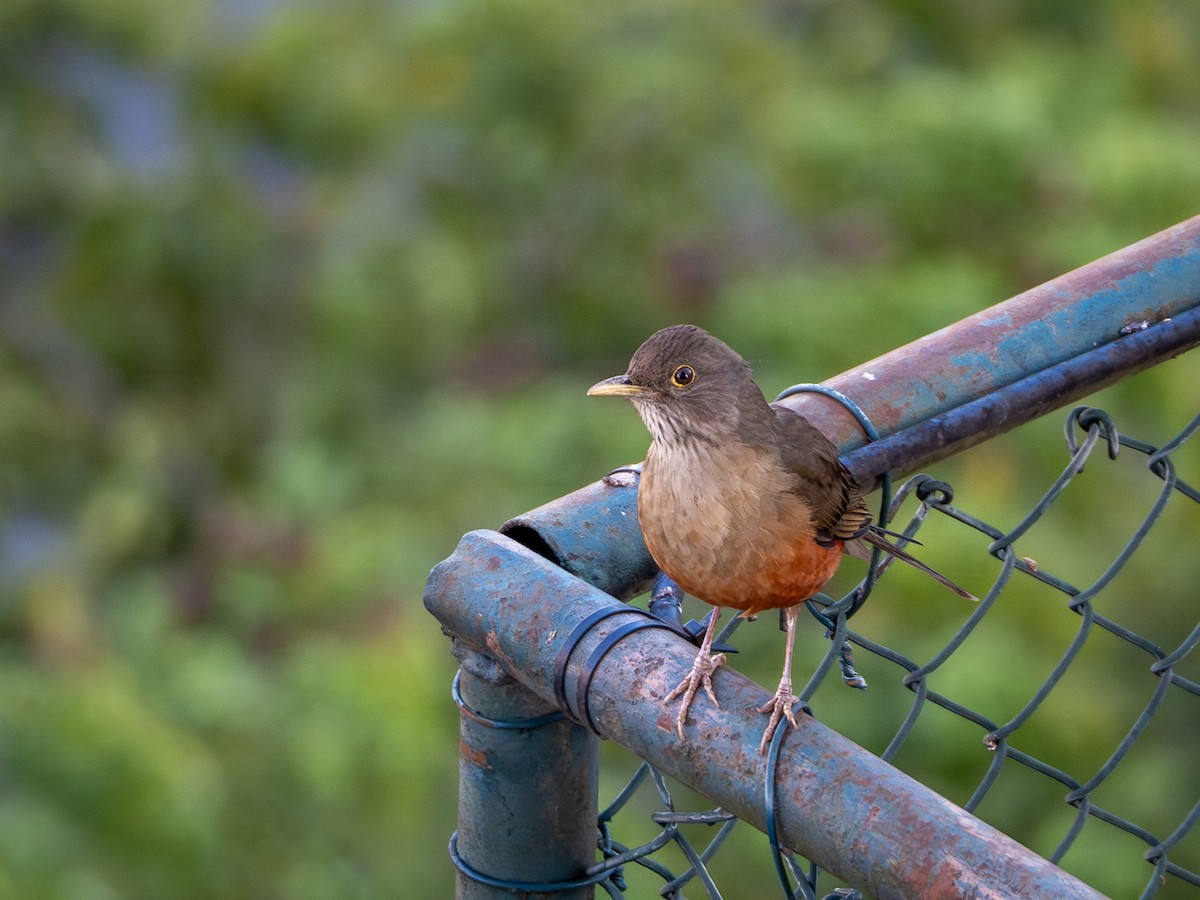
(683, 376)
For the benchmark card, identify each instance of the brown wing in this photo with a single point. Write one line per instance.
(821, 480)
(838, 509)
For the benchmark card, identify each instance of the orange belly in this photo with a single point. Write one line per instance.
(778, 581)
(749, 570)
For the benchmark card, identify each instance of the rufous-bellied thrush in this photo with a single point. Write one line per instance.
(744, 504)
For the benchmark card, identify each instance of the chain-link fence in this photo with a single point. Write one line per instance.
(1172, 863)
(1097, 707)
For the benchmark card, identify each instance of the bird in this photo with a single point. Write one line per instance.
(744, 503)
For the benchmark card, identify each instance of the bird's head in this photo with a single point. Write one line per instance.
(683, 381)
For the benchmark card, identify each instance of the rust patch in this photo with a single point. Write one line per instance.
(493, 563)
(473, 756)
(491, 641)
(666, 721)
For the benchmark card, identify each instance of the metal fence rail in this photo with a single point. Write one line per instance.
(533, 618)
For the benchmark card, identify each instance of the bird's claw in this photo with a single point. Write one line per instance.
(778, 706)
(700, 676)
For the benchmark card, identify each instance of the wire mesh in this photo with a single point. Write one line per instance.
(1085, 786)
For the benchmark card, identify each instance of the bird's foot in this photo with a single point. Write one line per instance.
(778, 706)
(700, 676)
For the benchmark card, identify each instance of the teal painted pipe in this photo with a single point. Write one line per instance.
(593, 533)
(837, 804)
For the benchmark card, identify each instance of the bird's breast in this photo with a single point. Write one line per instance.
(725, 523)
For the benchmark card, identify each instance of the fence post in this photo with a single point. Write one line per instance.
(527, 799)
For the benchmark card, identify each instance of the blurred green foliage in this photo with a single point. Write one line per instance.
(292, 295)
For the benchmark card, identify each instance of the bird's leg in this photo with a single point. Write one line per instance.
(781, 704)
(706, 663)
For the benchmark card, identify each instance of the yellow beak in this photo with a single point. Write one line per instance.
(617, 386)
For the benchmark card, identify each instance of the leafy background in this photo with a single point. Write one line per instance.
(293, 295)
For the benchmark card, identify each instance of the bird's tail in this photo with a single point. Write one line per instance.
(874, 537)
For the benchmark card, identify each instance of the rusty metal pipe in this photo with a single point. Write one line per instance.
(976, 420)
(1080, 331)
(836, 803)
